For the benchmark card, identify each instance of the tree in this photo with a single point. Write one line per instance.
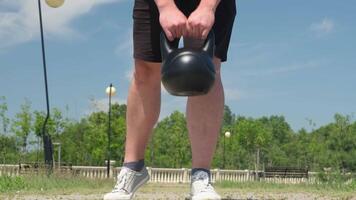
(342, 142)
(85, 142)
(281, 131)
(38, 122)
(8, 149)
(54, 127)
(229, 117)
(254, 136)
(170, 144)
(74, 148)
(298, 149)
(277, 154)
(22, 125)
(4, 119)
(118, 133)
(268, 140)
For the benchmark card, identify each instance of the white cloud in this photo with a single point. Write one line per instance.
(232, 94)
(19, 20)
(125, 44)
(171, 104)
(284, 69)
(102, 104)
(129, 75)
(324, 27)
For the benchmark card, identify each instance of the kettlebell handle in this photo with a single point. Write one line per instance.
(209, 46)
(167, 46)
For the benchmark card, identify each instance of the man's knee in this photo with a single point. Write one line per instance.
(146, 72)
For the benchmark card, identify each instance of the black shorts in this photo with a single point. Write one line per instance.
(147, 28)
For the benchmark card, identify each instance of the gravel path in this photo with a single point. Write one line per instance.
(181, 192)
(171, 195)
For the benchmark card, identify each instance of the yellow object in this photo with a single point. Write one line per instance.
(113, 91)
(55, 3)
(227, 134)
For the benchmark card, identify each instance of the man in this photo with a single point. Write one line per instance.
(192, 19)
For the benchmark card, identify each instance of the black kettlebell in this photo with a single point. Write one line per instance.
(187, 71)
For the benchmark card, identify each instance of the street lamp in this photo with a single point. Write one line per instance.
(110, 91)
(55, 3)
(226, 135)
(47, 142)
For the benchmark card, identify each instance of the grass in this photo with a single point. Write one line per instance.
(52, 185)
(324, 189)
(43, 185)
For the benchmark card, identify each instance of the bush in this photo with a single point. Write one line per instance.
(334, 178)
(8, 183)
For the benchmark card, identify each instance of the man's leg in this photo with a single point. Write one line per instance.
(143, 108)
(204, 118)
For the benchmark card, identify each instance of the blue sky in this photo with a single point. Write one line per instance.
(291, 58)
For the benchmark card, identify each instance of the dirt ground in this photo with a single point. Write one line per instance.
(157, 192)
(167, 195)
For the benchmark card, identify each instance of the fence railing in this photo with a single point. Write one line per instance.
(162, 175)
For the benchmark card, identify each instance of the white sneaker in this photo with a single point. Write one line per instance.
(201, 189)
(128, 181)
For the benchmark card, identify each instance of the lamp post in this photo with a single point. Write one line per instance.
(47, 142)
(110, 91)
(55, 3)
(226, 135)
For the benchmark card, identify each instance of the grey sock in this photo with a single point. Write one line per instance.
(136, 165)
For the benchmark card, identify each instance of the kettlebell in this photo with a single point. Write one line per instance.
(187, 71)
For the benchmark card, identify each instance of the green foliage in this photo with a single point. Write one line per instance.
(9, 151)
(334, 145)
(329, 189)
(8, 183)
(337, 180)
(55, 125)
(45, 184)
(170, 146)
(22, 125)
(85, 142)
(229, 117)
(269, 140)
(280, 129)
(252, 134)
(5, 121)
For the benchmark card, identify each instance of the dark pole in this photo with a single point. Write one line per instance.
(224, 153)
(152, 151)
(109, 136)
(47, 143)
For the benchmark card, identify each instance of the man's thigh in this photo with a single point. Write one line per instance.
(146, 31)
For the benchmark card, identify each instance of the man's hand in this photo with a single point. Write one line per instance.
(200, 22)
(173, 21)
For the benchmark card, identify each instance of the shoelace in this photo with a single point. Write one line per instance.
(205, 186)
(122, 182)
(200, 176)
